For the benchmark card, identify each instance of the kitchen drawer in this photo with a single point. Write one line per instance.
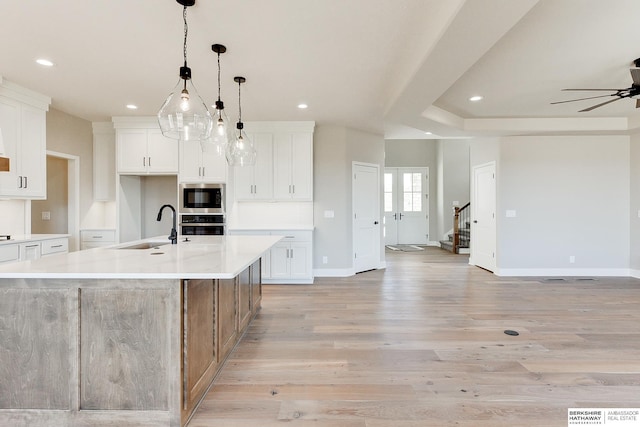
(90, 239)
(98, 236)
(9, 253)
(293, 235)
(54, 246)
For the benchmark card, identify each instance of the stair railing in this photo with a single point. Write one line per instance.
(461, 216)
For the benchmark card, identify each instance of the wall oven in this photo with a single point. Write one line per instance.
(202, 225)
(201, 198)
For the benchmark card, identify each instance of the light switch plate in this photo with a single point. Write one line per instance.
(46, 216)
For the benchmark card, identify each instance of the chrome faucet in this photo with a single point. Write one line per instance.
(174, 234)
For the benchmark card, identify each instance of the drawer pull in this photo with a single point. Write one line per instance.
(97, 237)
(56, 246)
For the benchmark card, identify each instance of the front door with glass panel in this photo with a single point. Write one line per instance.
(406, 206)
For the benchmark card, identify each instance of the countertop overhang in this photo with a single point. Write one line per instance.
(210, 257)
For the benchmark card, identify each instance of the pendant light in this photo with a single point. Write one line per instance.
(219, 134)
(184, 115)
(240, 151)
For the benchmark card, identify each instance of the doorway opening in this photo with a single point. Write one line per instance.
(59, 212)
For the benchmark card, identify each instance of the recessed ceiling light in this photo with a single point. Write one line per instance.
(44, 62)
(302, 106)
(428, 133)
(475, 98)
(132, 107)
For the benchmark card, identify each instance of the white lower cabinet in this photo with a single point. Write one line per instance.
(30, 251)
(97, 238)
(289, 261)
(9, 253)
(54, 246)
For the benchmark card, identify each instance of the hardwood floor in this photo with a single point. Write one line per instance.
(422, 343)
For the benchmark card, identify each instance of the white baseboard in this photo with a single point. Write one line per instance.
(333, 272)
(634, 273)
(342, 272)
(563, 272)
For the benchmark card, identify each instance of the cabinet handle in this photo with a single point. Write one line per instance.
(294, 188)
(26, 182)
(291, 253)
(149, 161)
(144, 161)
(97, 237)
(31, 246)
(56, 246)
(203, 171)
(19, 182)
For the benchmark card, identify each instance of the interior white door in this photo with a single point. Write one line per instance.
(406, 206)
(366, 217)
(483, 217)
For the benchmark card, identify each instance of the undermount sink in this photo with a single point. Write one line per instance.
(144, 245)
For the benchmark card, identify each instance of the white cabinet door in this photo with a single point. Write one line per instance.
(280, 261)
(299, 260)
(190, 161)
(282, 167)
(214, 166)
(162, 152)
(9, 253)
(33, 153)
(9, 123)
(104, 162)
(302, 166)
(132, 150)
(29, 251)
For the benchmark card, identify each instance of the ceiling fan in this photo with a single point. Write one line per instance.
(632, 92)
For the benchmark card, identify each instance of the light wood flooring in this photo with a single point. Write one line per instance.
(422, 343)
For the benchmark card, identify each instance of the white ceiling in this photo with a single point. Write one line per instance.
(402, 67)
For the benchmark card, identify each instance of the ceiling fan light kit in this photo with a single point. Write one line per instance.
(632, 92)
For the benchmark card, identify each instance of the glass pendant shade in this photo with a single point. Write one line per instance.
(184, 115)
(219, 137)
(241, 151)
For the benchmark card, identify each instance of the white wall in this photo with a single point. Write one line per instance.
(634, 191)
(571, 197)
(335, 148)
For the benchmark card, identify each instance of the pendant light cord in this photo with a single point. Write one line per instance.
(218, 76)
(186, 30)
(239, 104)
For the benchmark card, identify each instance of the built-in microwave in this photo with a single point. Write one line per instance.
(201, 198)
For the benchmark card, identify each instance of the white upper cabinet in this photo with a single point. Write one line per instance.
(142, 149)
(201, 166)
(23, 123)
(256, 182)
(293, 166)
(284, 163)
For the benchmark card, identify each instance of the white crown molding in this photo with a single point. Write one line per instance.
(24, 95)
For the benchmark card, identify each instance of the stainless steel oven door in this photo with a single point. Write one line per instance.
(202, 230)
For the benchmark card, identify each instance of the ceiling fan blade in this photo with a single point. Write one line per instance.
(635, 75)
(599, 105)
(580, 99)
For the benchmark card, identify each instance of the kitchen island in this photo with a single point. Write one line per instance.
(130, 335)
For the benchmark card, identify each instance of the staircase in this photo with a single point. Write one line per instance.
(458, 242)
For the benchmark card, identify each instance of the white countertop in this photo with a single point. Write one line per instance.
(203, 257)
(23, 238)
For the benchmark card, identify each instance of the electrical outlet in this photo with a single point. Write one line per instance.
(325, 259)
(46, 216)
